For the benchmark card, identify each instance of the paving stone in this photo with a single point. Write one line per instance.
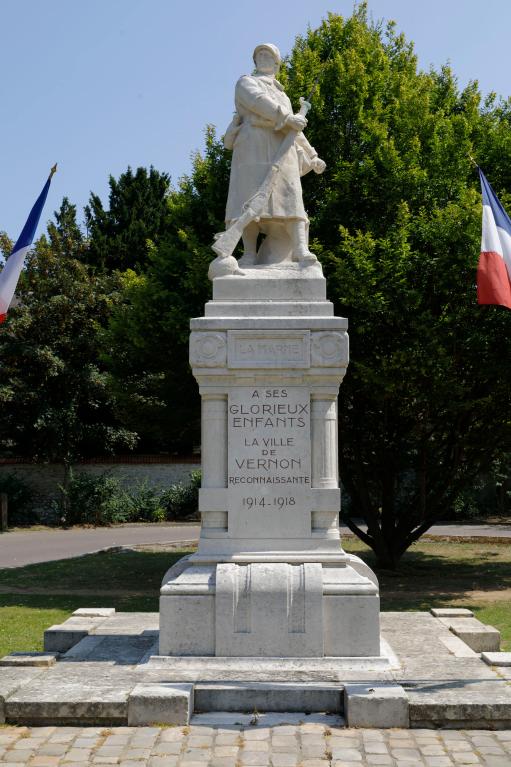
(314, 762)
(200, 730)
(28, 743)
(376, 747)
(167, 747)
(20, 757)
(466, 758)
(224, 761)
(227, 739)
(196, 755)
(225, 751)
(172, 734)
(438, 761)
(200, 741)
(137, 754)
(194, 764)
(87, 742)
(379, 759)
(77, 755)
(405, 753)
(432, 750)
(347, 754)
(116, 740)
(343, 742)
(109, 751)
(458, 745)
(255, 745)
(162, 761)
(401, 743)
(345, 764)
(40, 732)
(310, 751)
(284, 743)
(284, 760)
(262, 734)
(254, 758)
(140, 740)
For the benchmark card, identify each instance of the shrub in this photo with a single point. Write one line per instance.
(96, 500)
(103, 500)
(146, 504)
(181, 501)
(20, 501)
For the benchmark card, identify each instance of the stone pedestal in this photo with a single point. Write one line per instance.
(270, 578)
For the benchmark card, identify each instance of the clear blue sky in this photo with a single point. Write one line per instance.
(98, 85)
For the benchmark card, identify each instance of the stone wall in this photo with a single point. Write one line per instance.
(44, 479)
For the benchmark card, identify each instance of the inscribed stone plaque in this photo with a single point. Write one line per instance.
(268, 349)
(269, 470)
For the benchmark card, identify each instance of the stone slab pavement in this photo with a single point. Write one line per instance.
(26, 547)
(319, 743)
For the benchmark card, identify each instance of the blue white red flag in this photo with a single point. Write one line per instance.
(10, 274)
(494, 270)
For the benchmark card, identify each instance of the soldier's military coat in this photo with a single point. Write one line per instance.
(255, 135)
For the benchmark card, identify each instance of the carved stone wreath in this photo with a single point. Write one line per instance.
(329, 349)
(208, 349)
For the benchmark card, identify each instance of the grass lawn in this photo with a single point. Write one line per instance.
(432, 574)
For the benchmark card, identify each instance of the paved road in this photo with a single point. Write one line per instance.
(28, 547)
(232, 745)
(466, 531)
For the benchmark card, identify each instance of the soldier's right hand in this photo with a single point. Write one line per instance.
(296, 122)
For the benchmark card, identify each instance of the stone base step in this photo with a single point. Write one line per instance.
(260, 697)
(470, 711)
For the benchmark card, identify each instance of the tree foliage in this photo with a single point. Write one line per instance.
(55, 401)
(137, 212)
(148, 334)
(424, 407)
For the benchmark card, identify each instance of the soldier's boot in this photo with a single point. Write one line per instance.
(250, 235)
(300, 241)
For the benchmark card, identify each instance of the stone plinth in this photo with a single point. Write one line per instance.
(270, 578)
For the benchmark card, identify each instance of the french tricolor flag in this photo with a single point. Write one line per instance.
(494, 270)
(10, 274)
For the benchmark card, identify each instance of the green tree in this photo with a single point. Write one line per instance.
(147, 340)
(424, 407)
(55, 402)
(138, 212)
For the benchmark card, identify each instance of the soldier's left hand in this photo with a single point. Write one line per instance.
(318, 165)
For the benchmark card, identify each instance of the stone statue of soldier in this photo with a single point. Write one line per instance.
(265, 134)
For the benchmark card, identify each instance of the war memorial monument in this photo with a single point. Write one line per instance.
(270, 614)
(269, 578)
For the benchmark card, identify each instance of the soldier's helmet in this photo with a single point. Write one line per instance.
(270, 47)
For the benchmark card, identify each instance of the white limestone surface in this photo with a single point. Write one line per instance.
(270, 577)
